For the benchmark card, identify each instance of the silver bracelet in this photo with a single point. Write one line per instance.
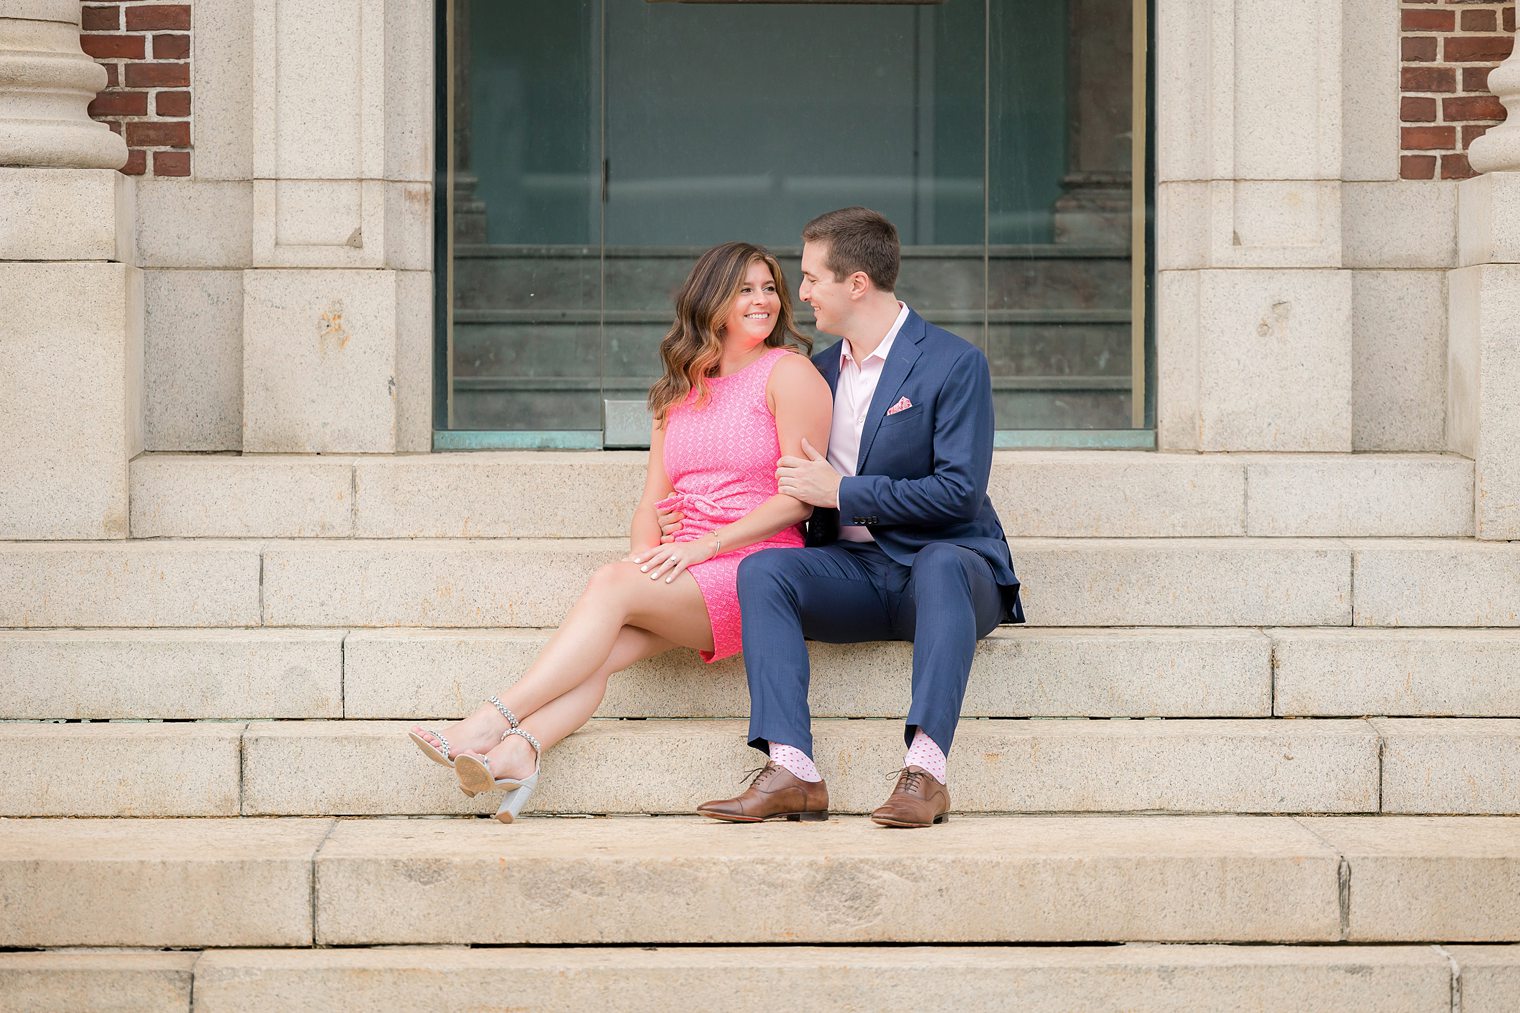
(716, 541)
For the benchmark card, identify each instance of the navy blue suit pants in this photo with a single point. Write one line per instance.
(851, 592)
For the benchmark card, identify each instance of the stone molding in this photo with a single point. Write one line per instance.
(46, 86)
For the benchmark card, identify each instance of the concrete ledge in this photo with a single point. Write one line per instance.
(1439, 766)
(370, 768)
(1138, 977)
(103, 981)
(203, 496)
(416, 673)
(120, 769)
(1436, 583)
(1454, 878)
(179, 883)
(696, 881)
(176, 674)
(1415, 672)
(53, 214)
(128, 584)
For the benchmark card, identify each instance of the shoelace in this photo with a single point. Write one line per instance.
(758, 774)
(908, 780)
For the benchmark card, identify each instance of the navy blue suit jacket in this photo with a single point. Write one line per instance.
(922, 472)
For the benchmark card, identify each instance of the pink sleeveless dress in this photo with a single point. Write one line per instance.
(721, 461)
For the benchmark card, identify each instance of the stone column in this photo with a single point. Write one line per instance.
(1095, 208)
(1254, 341)
(342, 217)
(1483, 350)
(71, 326)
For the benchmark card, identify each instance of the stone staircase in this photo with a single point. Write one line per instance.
(1258, 749)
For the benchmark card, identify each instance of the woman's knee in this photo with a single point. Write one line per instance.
(612, 581)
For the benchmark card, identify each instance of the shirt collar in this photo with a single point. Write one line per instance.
(886, 342)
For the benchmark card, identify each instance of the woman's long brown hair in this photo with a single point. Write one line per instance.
(693, 346)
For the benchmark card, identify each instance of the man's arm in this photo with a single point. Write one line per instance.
(962, 460)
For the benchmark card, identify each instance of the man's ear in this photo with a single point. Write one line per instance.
(860, 284)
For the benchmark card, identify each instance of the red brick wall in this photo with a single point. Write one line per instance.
(1449, 46)
(145, 47)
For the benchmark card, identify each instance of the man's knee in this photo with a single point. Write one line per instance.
(940, 559)
(762, 571)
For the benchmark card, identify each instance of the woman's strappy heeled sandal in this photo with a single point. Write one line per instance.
(474, 770)
(431, 751)
(518, 797)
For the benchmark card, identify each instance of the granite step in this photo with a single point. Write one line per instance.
(619, 881)
(543, 494)
(363, 768)
(1135, 977)
(519, 583)
(411, 673)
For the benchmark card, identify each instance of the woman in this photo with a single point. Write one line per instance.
(733, 399)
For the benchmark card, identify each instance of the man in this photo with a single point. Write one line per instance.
(903, 543)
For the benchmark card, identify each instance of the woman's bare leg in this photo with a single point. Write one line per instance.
(618, 596)
(551, 723)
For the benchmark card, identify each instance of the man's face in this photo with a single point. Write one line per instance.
(829, 296)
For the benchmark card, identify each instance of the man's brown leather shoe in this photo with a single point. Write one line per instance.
(775, 793)
(918, 801)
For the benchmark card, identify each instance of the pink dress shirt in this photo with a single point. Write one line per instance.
(852, 400)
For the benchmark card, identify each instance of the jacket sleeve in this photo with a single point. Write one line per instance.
(962, 450)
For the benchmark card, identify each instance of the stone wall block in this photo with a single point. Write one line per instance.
(414, 362)
(1488, 218)
(222, 81)
(319, 362)
(1249, 223)
(1483, 365)
(1370, 59)
(1398, 346)
(1406, 224)
(194, 223)
(71, 373)
(60, 214)
(193, 360)
(1273, 362)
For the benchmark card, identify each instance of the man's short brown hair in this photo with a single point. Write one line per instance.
(859, 239)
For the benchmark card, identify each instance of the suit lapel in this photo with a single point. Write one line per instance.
(828, 364)
(894, 373)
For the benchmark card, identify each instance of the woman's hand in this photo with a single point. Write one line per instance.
(669, 560)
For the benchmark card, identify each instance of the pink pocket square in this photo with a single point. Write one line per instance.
(902, 405)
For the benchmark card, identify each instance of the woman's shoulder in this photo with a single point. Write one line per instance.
(795, 372)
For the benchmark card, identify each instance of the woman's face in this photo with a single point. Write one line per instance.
(752, 314)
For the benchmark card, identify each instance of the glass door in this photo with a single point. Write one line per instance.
(591, 149)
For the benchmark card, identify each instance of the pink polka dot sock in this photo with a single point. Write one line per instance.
(796, 761)
(922, 752)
